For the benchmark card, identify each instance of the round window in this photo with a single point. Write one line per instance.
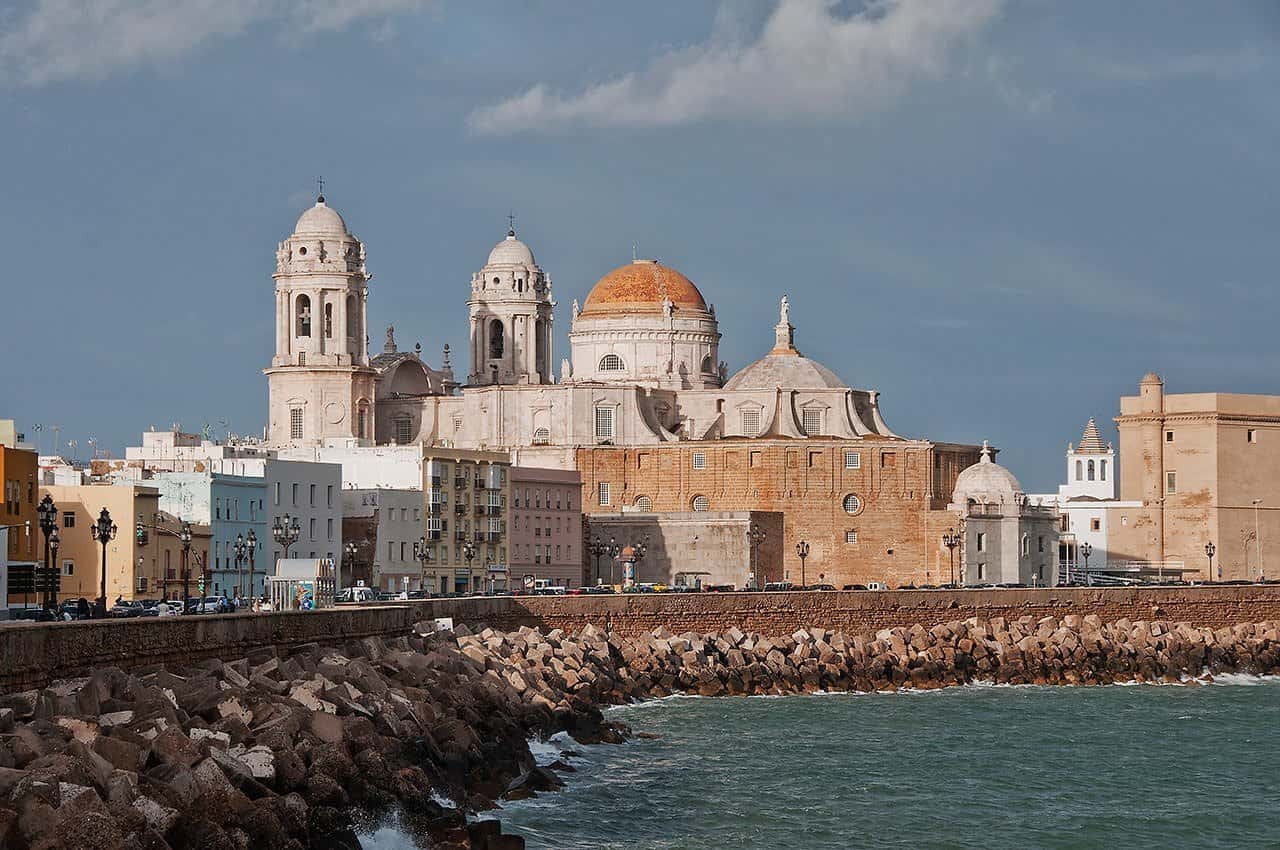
(852, 504)
(302, 252)
(701, 503)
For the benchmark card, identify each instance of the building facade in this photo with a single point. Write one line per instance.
(23, 544)
(386, 526)
(1202, 468)
(546, 525)
(466, 495)
(230, 506)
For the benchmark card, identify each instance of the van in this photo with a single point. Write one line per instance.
(877, 585)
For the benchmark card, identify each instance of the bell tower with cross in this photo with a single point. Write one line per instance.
(320, 381)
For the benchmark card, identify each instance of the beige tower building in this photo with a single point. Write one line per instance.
(511, 317)
(320, 383)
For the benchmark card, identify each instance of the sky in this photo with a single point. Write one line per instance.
(998, 214)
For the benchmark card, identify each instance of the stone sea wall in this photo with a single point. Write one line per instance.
(289, 749)
(33, 655)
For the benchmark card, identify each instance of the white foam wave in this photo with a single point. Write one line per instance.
(441, 800)
(544, 752)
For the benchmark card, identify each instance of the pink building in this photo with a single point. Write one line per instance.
(546, 526)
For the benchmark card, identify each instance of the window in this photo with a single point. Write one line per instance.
(69, 519)
(754, 459)
(982, 572)
(1102, 470)
(851, 536)
(701, 503)
(277, 493)
(328, 495)
(751, 422)
(1040, 543)
(311, 528)
(611, 363)
(1124, 520)
(888, 460)
(1252, 435)
(295, 423)
(1079, 470)
(541, 436)
(496, 341)
(362, 421)
(699, 460)
(457, 424)
(68, 568)
(644, 503)
(303, 313)
(602, 489)
(1026, 545)
(1168, 436)
(328, 321)
(294, 488)
(604, 423)
(1171, 482)
(329, 523)
(312, 495)
(982, 543)
(1095, 524)
(852, 504)
(812, 421)
(404, 430)
(852, 460)
(1091, 470)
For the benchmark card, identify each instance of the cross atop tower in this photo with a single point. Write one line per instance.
(511, 224)
(320, 184)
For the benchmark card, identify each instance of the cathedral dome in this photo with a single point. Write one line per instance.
(321, 220)
(788, 371)
(986, 482)
(511, 252)
(641, 286)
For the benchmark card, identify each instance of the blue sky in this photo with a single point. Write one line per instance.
(999, 214)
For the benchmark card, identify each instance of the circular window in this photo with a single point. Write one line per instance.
(302, 252)
(700, 503)
(852, 504)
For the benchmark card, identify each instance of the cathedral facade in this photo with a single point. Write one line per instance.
(642, 405)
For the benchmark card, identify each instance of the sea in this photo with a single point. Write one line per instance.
(1159, 766)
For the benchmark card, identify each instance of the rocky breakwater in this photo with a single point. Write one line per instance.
(291, 751)
(277, 751)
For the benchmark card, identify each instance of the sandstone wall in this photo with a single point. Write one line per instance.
(31, 656)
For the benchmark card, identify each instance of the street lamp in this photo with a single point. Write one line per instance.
(1257, 538)
(251, 544)
(755, 536)
(286, 533)
(52, 544)
(241, 549)
(184, 536)
(423, 554)
(103, 531)
(1086, 549)
(1209, 549)
(802, 549)
(350, 551)
(48, 517)
(951, 539)
(468, 554)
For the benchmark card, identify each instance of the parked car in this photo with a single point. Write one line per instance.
(778, 586)
(125, 608)
(1011, 584)
(854, 587)
(69, 607)
(35, 615)
(821, 587)
(208, 605)
(877, 585)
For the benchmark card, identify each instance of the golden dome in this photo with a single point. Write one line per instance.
(640, 287)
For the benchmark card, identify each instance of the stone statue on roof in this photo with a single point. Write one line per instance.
(785, 311)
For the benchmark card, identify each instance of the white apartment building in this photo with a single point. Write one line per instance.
(385, 525)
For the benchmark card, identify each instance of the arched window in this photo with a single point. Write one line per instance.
(328, 321)
(303, 313)
(1091, 470)
(1102, 470)
(644, 503)
(353, 318)
(497, 342)
(852, 504)
(362, 420)
(611, 363)
(707, 367)
(701, 503)
(1079, 470)
(541, 436)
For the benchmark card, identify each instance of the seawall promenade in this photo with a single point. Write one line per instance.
(31, 656)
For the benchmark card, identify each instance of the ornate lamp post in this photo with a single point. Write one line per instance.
(951, 539)
(1086, 549)
(184, 536)
(468, 554)
(756, 536)
(251, 545)
(48, 520)
(597, 549)
(241, 549)
(286, 533)
(423, 554)
(351, 552)
(802, 549)
(1209, 549)
(52, 544)
(103, 531)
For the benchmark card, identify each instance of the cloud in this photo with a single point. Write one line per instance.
(57, 40)
(809, 61)
(1222, 65)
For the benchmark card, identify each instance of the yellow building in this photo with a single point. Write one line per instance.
(139, 566)
(19, 472)
(1205, 468)
(465, 498)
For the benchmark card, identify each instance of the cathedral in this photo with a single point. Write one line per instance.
(642, 405)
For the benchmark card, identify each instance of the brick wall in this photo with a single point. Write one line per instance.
(31, 656)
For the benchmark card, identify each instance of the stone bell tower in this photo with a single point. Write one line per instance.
(320, 384)
(511, 316)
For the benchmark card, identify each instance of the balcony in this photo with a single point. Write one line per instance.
(459, 535)
(459, 509)
(493, 510)
(459, 482)
(479, 537)
(434, 510)
(436, 496)
(479, 510)
(494, 536)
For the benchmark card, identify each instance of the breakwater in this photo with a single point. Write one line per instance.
(288, 749)
(31, 656)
